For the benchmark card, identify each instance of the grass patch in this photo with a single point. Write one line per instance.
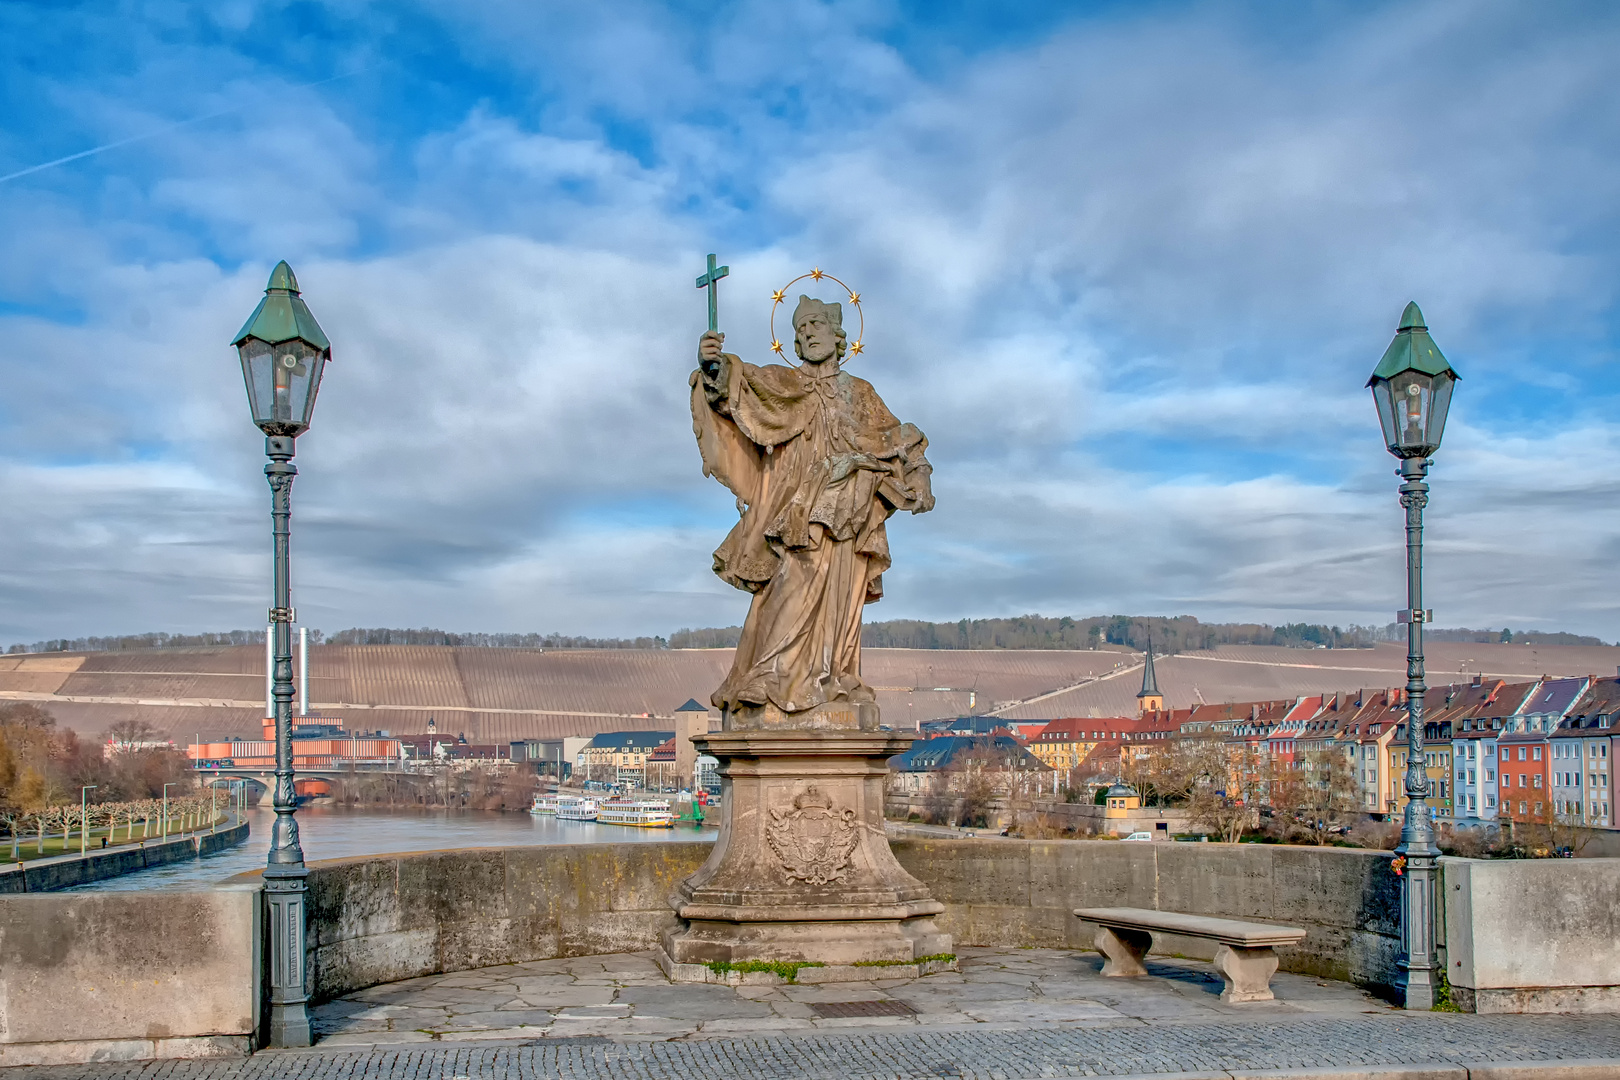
(944, 957)
(786, 969)
(1442, 996)
(28, 845)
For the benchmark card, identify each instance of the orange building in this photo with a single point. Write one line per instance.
(319, 743)
(1522, 775)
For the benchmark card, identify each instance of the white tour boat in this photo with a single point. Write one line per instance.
(544, 804)
(642, 813)
(576, 808)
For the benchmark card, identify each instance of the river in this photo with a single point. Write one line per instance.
(339, 833)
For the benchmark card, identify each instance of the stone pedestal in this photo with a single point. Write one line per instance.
(802, 870)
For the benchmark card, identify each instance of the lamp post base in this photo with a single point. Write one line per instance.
(284, 909)
(1417, 980)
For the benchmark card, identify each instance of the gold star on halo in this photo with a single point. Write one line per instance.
(776, 347)
(855, 349)
(778, 296)
(816, 273)
(855, 298)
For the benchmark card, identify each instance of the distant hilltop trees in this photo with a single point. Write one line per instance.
(1176, 634)
(141, 641)
(425, 636)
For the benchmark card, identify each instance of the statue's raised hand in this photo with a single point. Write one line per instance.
(710, 356)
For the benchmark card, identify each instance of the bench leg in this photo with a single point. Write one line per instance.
(1123, 950)
(1247, 972)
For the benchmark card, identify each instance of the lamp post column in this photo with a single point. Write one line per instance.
(84, 817)
(285, 873)
(1417, 963)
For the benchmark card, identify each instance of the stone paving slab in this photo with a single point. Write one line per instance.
(1009, 1014)
(626, 996)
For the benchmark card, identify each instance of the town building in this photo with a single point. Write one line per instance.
(1596, 716)
(1149, 699)
(1478, 711)
(915, 771)
(620, 757)
(1064, 744)
(692, 720)
(319, 744)
(551, 758)
(1370, 729)
(1522, 777)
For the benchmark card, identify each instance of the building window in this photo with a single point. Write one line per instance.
(1535, 753)
(1490, 801)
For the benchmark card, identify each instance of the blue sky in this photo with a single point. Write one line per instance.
(1128, 265)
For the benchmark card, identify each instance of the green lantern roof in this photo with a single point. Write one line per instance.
(282, 315)
(1412, 350)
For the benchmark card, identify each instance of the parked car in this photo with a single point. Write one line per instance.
(1147, 836)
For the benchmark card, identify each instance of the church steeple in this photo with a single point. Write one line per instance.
(1150, 700)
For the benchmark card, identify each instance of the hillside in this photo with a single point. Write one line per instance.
(498, 694)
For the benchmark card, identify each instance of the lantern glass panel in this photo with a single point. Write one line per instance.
(282, 381)
(256, 373)
(1411, 397)
(1439, 405)
(1412, 410)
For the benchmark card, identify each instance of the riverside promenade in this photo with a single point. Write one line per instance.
(54, 872)
(1011, 1013)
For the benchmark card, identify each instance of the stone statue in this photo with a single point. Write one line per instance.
(801, 871)
(818, 464)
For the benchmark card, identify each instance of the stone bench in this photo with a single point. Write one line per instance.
(1245, 958)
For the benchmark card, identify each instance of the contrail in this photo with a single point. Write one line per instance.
(164, 130)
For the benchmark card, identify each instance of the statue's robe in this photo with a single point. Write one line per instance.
(818, 463)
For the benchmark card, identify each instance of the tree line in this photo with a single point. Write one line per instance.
(43, 765)
(427, 636)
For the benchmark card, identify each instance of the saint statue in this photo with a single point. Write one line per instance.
(818, 463)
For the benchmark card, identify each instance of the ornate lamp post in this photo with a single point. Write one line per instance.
(283, 352)
(1412, 388)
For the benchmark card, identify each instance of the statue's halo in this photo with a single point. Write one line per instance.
(817, 274)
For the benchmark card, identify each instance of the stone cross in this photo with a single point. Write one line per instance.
(711, 281)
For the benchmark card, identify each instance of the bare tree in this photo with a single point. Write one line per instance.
(131, 733)
(1552, 829)
(1238, 777)
(1315, 799)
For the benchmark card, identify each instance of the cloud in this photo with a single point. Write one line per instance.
(1127, 271)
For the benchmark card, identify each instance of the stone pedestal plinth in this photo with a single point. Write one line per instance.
(802, 870)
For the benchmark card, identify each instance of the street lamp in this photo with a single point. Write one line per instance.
(164, 829)
(84, 818)
(1412, 388)
(283, 353)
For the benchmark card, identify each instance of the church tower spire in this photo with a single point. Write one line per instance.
(1150, 700)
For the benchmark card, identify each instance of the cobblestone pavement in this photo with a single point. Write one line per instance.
(1010, 1014)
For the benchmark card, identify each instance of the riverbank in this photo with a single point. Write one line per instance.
(54, 873)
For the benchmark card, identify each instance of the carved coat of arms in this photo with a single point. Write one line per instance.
(813, 841)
